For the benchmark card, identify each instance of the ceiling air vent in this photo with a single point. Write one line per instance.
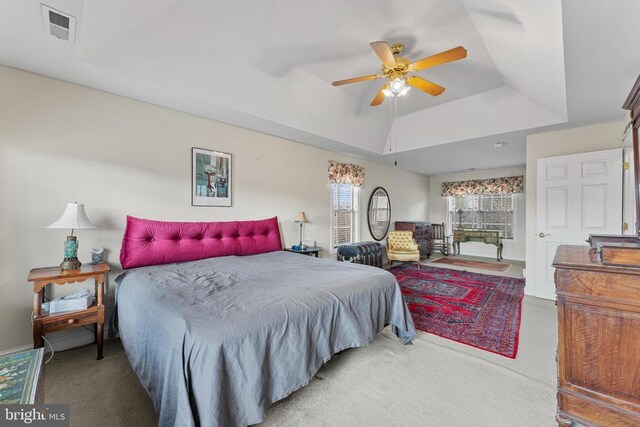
(58, 24)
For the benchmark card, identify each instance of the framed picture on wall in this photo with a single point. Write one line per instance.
(211, 178)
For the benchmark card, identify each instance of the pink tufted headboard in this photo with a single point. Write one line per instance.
(148, 242)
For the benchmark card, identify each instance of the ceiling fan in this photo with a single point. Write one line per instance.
(396, 68)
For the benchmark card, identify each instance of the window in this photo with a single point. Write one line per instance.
(345, 218)
(492, 212)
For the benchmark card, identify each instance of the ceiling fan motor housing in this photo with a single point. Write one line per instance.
(399, 70)
(396, 48)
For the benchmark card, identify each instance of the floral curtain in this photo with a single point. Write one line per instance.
(346, 173)
(504, 185)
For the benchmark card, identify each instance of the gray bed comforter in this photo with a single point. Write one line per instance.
(215, 342)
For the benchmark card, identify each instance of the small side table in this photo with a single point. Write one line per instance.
(311, 250)
(44, 322)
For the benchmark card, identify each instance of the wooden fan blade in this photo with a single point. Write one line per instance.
(383, 51)
(379, 98)
(440, 58)
(425, 85)
(355, 80)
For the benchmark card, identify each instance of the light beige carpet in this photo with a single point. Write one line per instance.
(434, 382)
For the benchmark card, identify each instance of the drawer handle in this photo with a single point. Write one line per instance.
(71, 321)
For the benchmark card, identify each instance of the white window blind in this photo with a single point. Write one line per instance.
(488, 212)
(345, 218)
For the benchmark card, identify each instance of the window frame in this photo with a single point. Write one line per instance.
(355, 215)
(514, 213)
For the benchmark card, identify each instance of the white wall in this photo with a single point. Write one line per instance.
(60, 142)
(570, 141)
(513, 249)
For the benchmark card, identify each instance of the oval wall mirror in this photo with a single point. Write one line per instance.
(379, 213)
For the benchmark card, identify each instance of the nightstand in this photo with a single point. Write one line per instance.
(44, 322)
(311, 250)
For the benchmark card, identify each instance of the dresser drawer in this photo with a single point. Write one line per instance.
(60, 321)
(607, 286)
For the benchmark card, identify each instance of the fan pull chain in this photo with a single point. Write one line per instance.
(390, 126)
(395, 131)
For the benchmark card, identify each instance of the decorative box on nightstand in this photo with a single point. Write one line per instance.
(79, 301)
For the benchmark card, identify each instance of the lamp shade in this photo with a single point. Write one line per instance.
(73, 217)
(301, 217)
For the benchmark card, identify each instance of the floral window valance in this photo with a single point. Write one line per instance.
(346, 173)
(504, 185)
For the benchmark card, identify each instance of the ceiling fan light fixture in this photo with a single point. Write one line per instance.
(397, 85)
(404, 91)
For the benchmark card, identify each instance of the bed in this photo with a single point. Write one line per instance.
(216, 340)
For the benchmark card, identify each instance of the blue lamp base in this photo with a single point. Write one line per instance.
(70, 261)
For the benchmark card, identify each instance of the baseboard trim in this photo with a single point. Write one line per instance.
(484, 255)
(60, 341)
(65, 340)
(16, 349)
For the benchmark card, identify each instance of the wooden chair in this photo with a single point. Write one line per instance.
(439, 239)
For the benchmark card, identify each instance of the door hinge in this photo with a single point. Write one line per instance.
(625, 226)
(625, 166)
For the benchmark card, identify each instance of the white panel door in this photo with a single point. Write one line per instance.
(578, 195)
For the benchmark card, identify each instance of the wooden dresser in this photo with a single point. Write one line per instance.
(598, 340)
(421, 232)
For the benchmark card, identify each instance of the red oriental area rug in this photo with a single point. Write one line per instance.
(479, 310)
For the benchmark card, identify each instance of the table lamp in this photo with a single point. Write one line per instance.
(302, 218)
(74, 218)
